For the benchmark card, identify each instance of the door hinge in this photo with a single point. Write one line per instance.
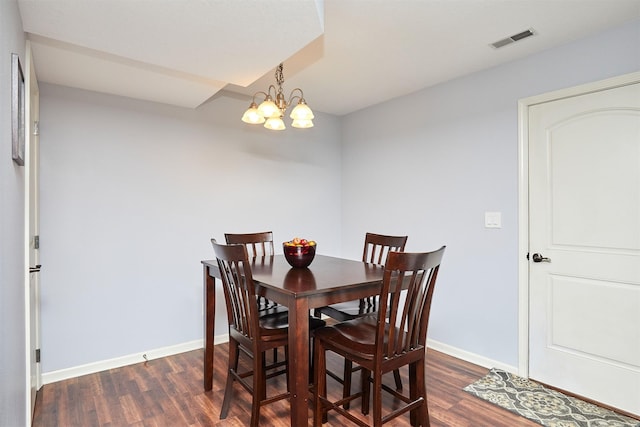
(37, 355)
(36, 242)
(36, 128)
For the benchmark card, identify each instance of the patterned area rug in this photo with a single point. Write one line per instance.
(542, 405)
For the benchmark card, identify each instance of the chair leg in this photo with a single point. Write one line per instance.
(396, 376)
(320, 381)
(413, 393)
(262, 376)
(417, 389)
(286, 359)
(365, 377)
(259, 386)
(311, 362)
(377, 399)
(346, 385)
(255, 410)
(234, 354)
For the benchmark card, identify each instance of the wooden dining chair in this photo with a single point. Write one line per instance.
(259, 249)
(395, 336)
(375, 251)
(259, 245)
(376, 248)
(250, 331)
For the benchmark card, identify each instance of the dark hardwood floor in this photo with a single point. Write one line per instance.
(169, 392)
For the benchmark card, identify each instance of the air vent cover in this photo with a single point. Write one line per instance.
(513, 38)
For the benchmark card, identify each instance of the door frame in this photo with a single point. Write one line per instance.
(523, 197)
(31, 166)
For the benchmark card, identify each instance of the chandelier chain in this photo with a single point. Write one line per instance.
(279, 77)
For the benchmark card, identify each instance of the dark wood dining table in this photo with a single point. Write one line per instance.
(328, 280)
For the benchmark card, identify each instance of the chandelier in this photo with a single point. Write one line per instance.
(270, 112)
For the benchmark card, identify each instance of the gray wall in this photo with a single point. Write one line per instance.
(133, 191)
(13, 374)
(444, 156)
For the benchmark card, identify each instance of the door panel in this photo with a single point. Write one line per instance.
(595, 178)
(584, 215)
(587, 329)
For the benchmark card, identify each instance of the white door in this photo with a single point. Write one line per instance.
(584, 218)
(32, 166)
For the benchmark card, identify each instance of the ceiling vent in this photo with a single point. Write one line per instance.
(513, 38)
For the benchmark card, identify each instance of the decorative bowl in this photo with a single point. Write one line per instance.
(299, 256)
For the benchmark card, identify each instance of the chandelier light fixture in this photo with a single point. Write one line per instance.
(273, 108)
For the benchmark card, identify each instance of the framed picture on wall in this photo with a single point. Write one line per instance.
(17, 110)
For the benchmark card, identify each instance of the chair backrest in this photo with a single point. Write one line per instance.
(257, 244)
(378, 246)
(239, 289)
(406, 318)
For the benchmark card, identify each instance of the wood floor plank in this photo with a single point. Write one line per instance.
(169, 392)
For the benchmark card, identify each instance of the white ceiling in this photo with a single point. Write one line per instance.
(345, 54)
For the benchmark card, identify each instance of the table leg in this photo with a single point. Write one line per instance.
(209, 326)
(299, 361)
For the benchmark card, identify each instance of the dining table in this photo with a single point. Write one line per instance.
(328, 280)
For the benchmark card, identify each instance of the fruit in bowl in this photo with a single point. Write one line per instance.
(299, 252)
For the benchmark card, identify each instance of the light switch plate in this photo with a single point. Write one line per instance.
(493, 219)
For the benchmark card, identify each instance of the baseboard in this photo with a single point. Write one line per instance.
(91, 368)
(467, 356)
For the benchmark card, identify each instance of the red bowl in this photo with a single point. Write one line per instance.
(299, 256)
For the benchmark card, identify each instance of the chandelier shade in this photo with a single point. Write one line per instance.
(271, 112)
(252, 115)
(301, 111)
(268, 109)
(274, 123)
(302, 124)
